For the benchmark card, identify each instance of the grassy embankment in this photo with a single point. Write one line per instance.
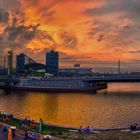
(64, 133)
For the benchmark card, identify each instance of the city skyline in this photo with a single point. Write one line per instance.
(90, 32)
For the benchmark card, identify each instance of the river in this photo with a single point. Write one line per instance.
(117, 106)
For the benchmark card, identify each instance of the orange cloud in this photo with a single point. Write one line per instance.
(101, 30)
(64, 21)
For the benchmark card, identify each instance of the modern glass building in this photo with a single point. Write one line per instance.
(52, 62)
(20, 66)
(22, 61)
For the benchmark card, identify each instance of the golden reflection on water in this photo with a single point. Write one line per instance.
(55, 108)
(108, 108)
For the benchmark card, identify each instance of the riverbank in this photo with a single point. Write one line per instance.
(69, 133)
(103, 135)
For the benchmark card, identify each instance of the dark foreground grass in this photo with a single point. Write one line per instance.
(55, 131)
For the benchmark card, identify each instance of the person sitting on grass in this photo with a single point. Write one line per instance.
(10, 116)
(26, 135)
(27, 120)
(6, 119)
(81, 129)
(1, 124)
(34, 125)
(134, 127)
(5, 128)
(87, 129)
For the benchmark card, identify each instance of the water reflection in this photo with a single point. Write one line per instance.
(117, 106)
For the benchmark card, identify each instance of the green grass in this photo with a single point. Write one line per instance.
(64, 133)
(52, 130)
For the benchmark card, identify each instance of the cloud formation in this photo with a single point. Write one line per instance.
(102, 30)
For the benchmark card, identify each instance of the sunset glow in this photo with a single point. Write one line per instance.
(89, 32)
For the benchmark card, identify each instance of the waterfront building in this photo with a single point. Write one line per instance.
(75, 71)
(35, 69)
(20, 64)
(26, 65)
(1, 71)
(10, 63)
(22, 61)
(52, 62)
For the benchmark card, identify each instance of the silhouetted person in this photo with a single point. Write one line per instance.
(26, 135)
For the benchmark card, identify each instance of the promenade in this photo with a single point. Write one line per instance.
(3, 136)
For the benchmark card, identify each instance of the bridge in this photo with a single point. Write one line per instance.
(9, 80)
(114, 78)
(9, 83)
(107, 79)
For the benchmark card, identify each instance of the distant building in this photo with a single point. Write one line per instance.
(1, 71)
(52, 62)
(21, 61)
(27, 66)
(35, 69)
(76, 65)
(10, 63)
(76, 71)
(20, 64)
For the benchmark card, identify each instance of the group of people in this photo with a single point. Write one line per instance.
(26, 123)
(135, 127)
(87, 129)
(10, 130)
(30, 135)
(33, 124)
(5, 117)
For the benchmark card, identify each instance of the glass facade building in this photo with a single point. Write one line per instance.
(22, 61)
(20, 66)
(52, 62)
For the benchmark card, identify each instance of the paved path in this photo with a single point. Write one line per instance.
(3, 135)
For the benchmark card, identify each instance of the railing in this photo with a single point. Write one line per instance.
(114, 78)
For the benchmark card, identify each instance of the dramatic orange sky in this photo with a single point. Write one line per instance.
(95, 33)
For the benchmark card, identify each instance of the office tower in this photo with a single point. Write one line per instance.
(52, 62)
(20, 64)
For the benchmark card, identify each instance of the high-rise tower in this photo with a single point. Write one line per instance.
(52, 62)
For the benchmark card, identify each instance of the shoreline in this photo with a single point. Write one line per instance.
(58, 132)
(18, 119)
